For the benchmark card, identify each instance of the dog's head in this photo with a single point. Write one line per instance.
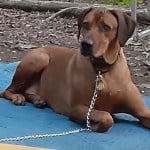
(104, 32)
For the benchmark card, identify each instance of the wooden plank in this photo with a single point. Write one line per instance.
(19, 147)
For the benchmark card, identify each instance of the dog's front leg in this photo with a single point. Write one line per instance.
(100, 121)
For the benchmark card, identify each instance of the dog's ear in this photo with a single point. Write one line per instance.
(126, 26)
(81, 18)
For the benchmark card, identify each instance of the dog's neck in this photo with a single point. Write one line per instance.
(100, 64)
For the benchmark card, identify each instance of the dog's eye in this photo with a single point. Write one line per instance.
(86, 25)
(105, 28)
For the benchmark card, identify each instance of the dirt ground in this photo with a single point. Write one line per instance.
(21, 31)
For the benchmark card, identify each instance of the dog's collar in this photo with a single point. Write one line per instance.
(100, 64)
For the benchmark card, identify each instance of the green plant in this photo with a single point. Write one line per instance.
(117, 2)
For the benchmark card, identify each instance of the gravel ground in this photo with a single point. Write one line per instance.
(21, 31)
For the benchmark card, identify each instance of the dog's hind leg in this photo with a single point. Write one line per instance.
(142, 113)
(36, 100)
(27, 73)
(136, 107)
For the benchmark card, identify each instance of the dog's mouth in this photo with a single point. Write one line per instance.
(85, 52)
(99, 62)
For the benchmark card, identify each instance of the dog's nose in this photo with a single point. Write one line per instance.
(86, 47)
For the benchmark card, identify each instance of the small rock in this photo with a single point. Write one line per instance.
(147, 62)
(146, 54)
(133, 64)
(13, 57)
(25, 46)
(145, 85)
(142, 91)
(146, 73)
(139, 75)
(137, 44)
(139, 58)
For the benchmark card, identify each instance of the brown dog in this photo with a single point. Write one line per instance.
(64, 78)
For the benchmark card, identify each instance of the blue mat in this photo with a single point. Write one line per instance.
(126, 134)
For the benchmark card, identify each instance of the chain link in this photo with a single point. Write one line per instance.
(98, 79)
(37, 136)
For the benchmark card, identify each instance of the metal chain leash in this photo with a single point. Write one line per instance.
(37, 136)
(97, 89)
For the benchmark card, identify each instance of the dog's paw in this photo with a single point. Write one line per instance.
(102, 123)
(18, 99)
(39, 103)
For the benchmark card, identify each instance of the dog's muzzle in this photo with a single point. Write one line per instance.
(86, 47)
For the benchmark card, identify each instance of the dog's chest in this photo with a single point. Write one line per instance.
(111, 94)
